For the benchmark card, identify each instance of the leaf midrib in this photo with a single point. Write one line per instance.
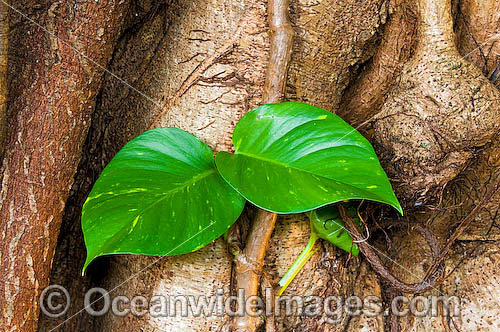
(177, 188)
(303, 171)
(199, 177)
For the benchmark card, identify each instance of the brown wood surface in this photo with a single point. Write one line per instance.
(52, 92)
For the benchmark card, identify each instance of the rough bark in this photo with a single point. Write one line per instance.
(424, 132)
(477, 24)
(52, 90)
(472, 264)
(167, 51)
(364, 98)
(166, 47)
(332, 40)
(4, 43)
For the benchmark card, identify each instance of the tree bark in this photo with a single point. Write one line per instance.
(4, 44)
(477, 25)
(472, 259)
(365, 96)
(52, 92)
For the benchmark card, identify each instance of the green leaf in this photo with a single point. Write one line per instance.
(160, 195)
(293, 157)
(327, 224)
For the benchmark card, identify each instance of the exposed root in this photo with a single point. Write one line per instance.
(373, 258)
(463, 226)
(249, 263)
(435, 271)
(477, 26)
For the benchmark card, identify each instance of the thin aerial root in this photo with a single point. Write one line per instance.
(379, 267)
(4, 41)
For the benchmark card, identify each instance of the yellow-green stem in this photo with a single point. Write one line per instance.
(299, 263)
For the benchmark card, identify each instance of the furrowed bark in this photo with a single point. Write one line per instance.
(250, 262)
(365, 96)
(4, 43)
(52, 92)
(189, 32)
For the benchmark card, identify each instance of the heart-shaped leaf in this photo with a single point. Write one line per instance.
(293, 157)
(160, 195)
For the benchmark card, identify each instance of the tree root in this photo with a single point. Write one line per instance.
(423, 133)
(365, 97)
(249, 263)
(50, 104)
(435, 271)
(466, 221)
(372, 257)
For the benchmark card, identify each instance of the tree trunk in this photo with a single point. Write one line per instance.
(52, 90)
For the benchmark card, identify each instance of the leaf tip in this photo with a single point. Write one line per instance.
(398, 207)
(86, 264)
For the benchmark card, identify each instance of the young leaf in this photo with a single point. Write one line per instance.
(327, 224)
(160, 195)
(293, 157)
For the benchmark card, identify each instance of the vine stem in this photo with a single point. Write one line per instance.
(299, 263)
(250, 262)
